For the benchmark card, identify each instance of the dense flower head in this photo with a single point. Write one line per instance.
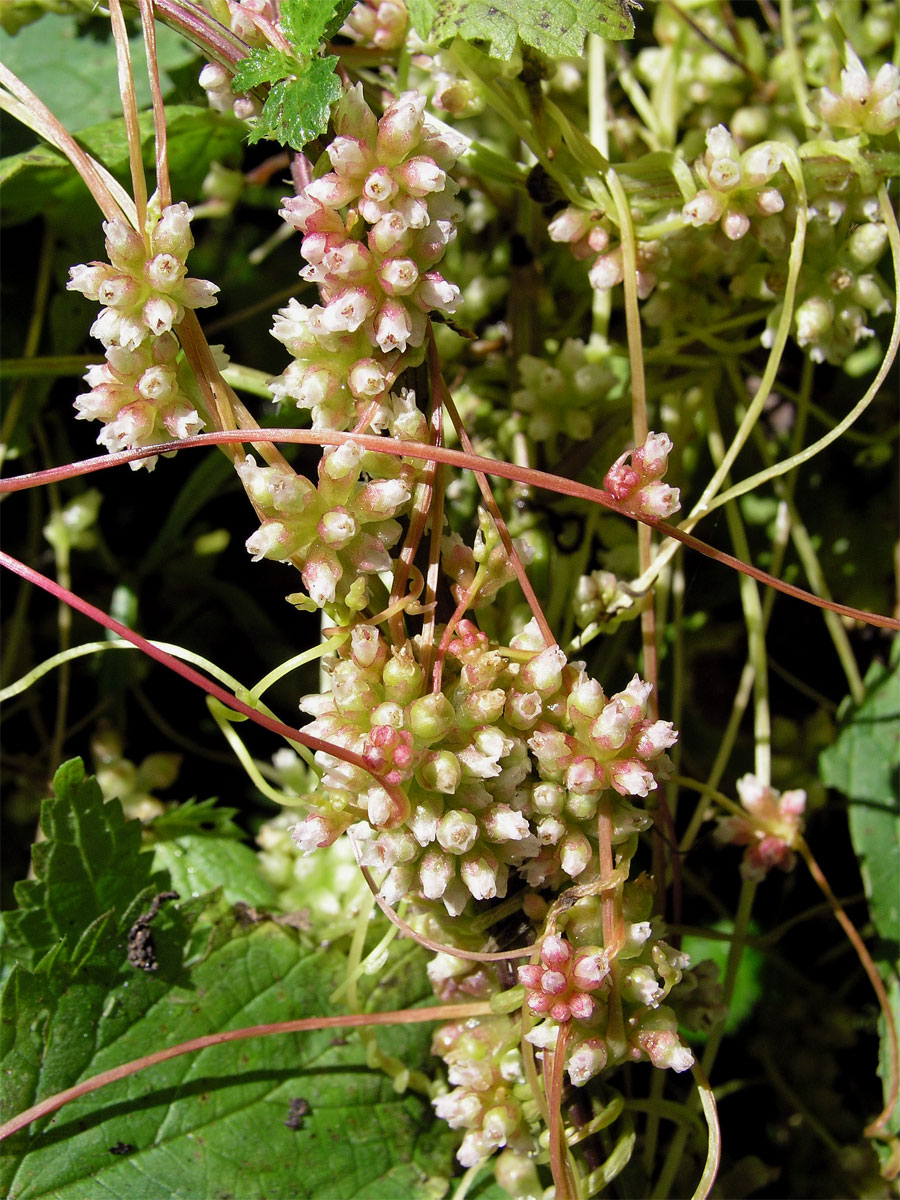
(565, 394)
(137, 392)
(736, 184)
(485, 1065)
(374, 229)
(501, 771)
(337, 532)
(378, 24)
(561, 984)
(638, 484)
(867, 105)
(768, 831)
(144, 287)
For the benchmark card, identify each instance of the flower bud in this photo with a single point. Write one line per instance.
(457, 831)
(431, 718)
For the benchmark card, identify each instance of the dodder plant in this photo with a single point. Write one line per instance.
(520, 265)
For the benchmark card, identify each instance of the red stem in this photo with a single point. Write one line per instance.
(403, 1016)
(192, 676)
(456, 458)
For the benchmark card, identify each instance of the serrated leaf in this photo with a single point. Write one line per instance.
(196, 817)
(308, 23)
(864, 763)
(555, 27)
(85, 92)
(297, 109)
(214, 1123)
(41, 181)
(265, 64)
(90, 864)
(198, 863)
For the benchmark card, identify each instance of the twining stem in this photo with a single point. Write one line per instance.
(877, 1127)
(163, 186)
(130, 114)
(456, 458)
(194, 677)
(403, 1016)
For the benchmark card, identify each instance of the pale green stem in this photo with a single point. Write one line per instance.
(598, 127)
(795, 260)
(292, 664)
(663, 1187)
(225, 718)
(797, 72)
(248, 379)
(638, 410)
(796, 460)
(753, 616)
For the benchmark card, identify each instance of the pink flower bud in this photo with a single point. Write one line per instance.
(348, 310)
(400, 128)
(88, 279)
(350, 157)
(420, 176)
(457, 831)
(367, 379)
(172, 234)
(124, 245)
(481, 875)
(393, 327)
(164, 272)
(119, 291)
(570, 225)
(160, 313)
(197, 293)
(575, 854)
(398, 276)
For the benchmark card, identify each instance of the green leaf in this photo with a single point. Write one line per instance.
(71, 65)
(864, 763)
(555, 27)
(263, 65)
(198, 863)
(308, 23)
(196, 817)
(223, 1122)
(90, 864)
(297, 109)
(41, 181)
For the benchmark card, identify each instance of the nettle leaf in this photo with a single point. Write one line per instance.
(290, 1117)
(85, 92)
(303, 85)
(41, 181)
(297, 109)
(555, 27)
(864, 763)
(90, 864)
(307, 23)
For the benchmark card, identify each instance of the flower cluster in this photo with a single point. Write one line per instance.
(378, 24)
(610, 998)
(560, 986)
(638, 485)
(478, 805)
(374, 227)
(736, 185)
(336, 533)
(563, 396)
(144, 287)
(588, 233)
(769, 830)
(864, 105)
(489, 1099)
